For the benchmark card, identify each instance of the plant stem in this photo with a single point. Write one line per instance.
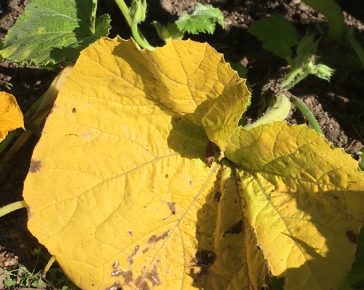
(355, 46)
(139, 38)
(48, 266)
(124, 10)
(294, 77)
(137, 35)
(12, 207)
(300, 105)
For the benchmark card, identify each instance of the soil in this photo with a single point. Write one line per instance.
(338, 105)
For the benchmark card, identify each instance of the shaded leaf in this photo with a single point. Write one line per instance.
(303, 196)
(53, 31)
(333, 13)
(277, 34)
(10, 115)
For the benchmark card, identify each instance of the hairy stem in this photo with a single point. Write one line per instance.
(12, 207)
(300, 105)
(293, 78)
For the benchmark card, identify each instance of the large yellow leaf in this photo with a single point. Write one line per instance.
(304, 201)
(118, 188)
(10, 115)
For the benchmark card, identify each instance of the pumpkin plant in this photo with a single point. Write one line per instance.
(143, 179)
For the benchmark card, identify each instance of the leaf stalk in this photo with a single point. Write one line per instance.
(12, 207)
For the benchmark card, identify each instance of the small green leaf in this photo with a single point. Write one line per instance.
(53, 31)
(277, 34)
(203, 19)
(306, 48)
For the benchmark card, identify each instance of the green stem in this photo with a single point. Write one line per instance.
(300, 105)
(125, 11)
(139, 38)
(294, 77)
(137, 35)
(355, 46)
(12, 207)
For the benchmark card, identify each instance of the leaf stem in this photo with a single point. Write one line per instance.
(124, 10)
(48, 266)
(300, 105)
(355, 46)
(294, 77)
(137, 35)
(12, 207)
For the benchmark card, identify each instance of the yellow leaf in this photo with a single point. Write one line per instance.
(10, 115)
(118, 189)
(304, 201)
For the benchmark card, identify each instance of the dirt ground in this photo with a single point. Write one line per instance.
(338, 106)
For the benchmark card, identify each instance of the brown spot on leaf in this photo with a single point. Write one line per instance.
(145, 250)
(153, 276)
(130, 233)
(155, 239)
(352, 237)
(128, 276)
(35, 165)
(217, 196)
(131, 256)
(166, 176)
(115, 265)
(205, 258)
(115, 286)
(141, 284)
(74, 110)
(235, 228)
(172, 207)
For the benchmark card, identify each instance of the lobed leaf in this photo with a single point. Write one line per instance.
(202, 20)
(54, 31)
(120, 193)
(11, 116)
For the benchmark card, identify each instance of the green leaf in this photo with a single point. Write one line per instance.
(333, 13)
(203, 19)
(53, 31)
(277, 34)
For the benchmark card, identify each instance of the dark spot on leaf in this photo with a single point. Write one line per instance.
(141, 284)
(352, 237)
(145, 250)
(166, 176)
(115, 286)
(155, 239)
(259, 248)
(115, 265)
(116, 272)
(217, 196)
(35, 166)
(172, 207)
(205, 258)
(235, 228)
(128, 276)
(74, 110)
(130, 233)
(131, 256)
(336, 197)
(153, 276)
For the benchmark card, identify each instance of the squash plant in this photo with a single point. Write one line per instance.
(143, 179)
(121, 193)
